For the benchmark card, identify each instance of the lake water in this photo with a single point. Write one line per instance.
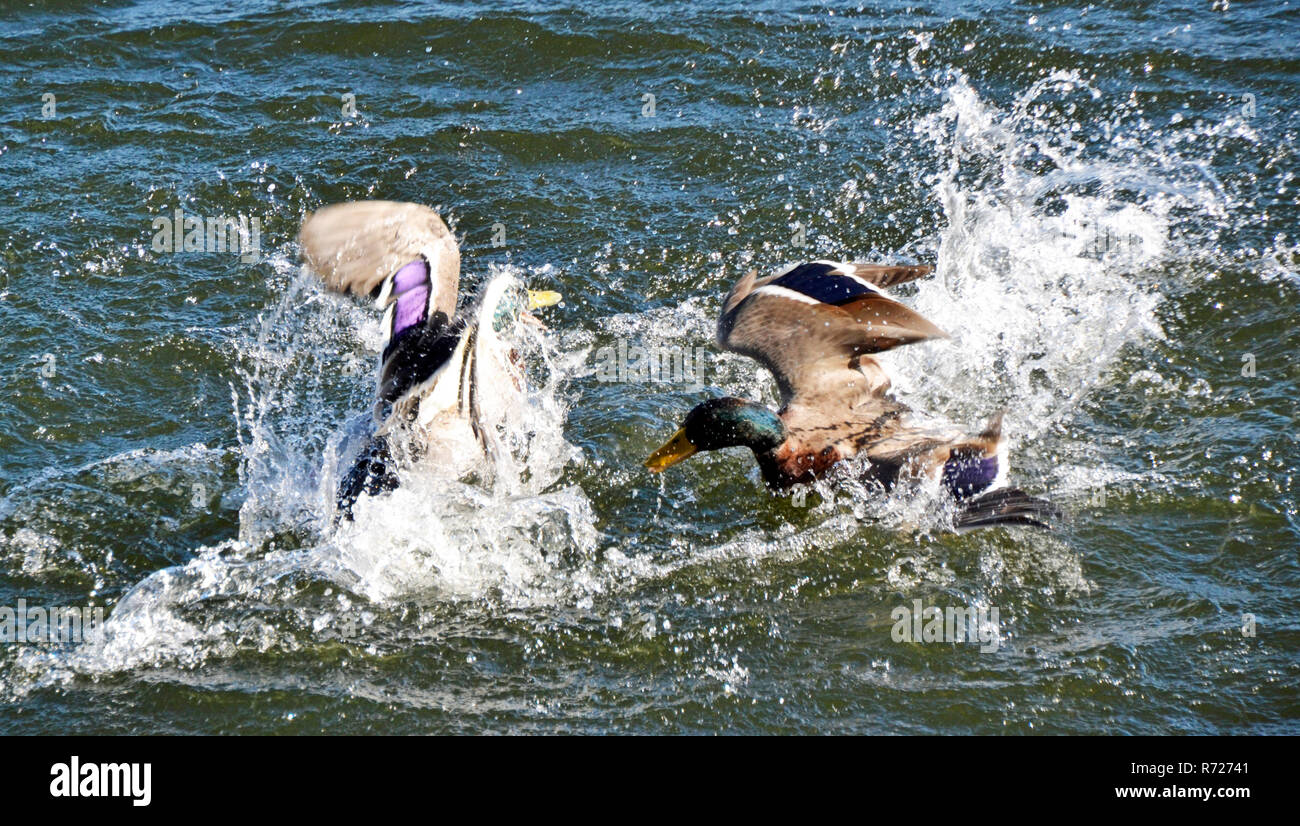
(1108, 192)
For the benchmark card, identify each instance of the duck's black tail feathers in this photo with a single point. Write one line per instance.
(1006, 506)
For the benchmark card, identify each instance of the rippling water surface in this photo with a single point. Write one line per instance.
(1109, 194)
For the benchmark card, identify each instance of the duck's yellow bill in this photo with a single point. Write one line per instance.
(542, 298)
(678, 448)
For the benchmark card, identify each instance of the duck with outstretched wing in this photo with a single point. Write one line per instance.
(815, 326)
(447, 379)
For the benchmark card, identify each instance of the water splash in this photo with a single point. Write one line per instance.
(1057, 250)
(1050, 265)
(512, 541)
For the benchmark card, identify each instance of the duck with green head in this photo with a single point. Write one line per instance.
(815, 326)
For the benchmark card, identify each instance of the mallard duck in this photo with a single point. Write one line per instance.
(815, 326)
(446, 379)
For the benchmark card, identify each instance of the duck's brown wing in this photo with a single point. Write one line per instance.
(815, 325)
(883, 275)
(404, 257)
(356, 246)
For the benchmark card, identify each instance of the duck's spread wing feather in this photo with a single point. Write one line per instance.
(356, 246)
(815, 325)
(885, 275)
(404, 257)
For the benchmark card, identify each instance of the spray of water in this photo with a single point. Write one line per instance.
(511, 538)
(1049, 267)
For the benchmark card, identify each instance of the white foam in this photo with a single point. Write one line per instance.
(1039, 317)
(517, 537)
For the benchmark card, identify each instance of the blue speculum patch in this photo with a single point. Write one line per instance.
(820, 282)
(966, 477)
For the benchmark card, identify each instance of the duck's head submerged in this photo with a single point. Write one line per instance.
(720, 423)
(514, 302)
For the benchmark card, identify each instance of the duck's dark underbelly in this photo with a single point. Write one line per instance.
(962, 476)
(785, 467)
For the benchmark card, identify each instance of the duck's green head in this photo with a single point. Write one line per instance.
(517, 303)
(719, 423)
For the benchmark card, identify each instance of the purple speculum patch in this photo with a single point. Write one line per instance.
(965, 477)
(411, 288)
